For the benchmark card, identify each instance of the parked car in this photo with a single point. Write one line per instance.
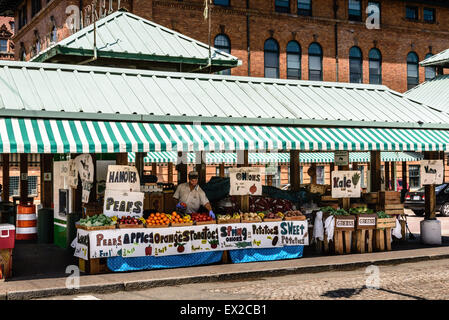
(414, 200)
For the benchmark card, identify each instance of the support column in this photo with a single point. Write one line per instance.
(182, 168)
(312, 173)
(295, 167)
(345, 203)
(122, 159)
(221, 170)
(200, 167)
(393, 176)
(170, 172)
(387, 175)
(375, 173)
(5, 184)
(23, 177)
(46, 180)
(429, 190)
(244, 200)
(139, 163)
(404, 181)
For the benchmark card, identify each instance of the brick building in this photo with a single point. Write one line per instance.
(320, 39)
(6, 33)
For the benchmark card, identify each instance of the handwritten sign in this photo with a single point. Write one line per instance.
(265, 235)
(344, 223)
(245, 181)
(345, 184)
(118, 203)
(122, 178)
(87, 186)
(432, 172)
(72, 177)
(341, 158)
(82, 244)
(294, 233)
(235, 236)
(85, 167)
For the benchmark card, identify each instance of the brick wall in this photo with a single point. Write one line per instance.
(6, 33)
(396, 38)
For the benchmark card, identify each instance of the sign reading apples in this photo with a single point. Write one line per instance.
(245, 181)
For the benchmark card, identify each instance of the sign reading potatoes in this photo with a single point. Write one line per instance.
(345, 184)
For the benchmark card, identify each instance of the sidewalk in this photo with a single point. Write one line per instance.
(53, 282)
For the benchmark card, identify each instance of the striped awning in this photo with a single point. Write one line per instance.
(280, 158)
(81, 136)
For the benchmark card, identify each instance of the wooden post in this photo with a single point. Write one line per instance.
(404, 180)
(122, 159)
(5, 191)
(154, 169)
(170, 172)
(295, 167)
(244, 200)
(393, 175)
(221, 170)
(313, 167)
(345, 203)
(23, 177)
(139, 163)
(182, 168)
(375, 171)
(201, 167)
(429, 190)
(93, 191)
(387, 175)
(331, 169)
(46, 185)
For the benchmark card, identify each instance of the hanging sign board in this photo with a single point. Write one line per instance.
(341, 158)
(345, 184)
(85, 167)
(72, 178)
(432, 171)
(245, 181)
(87, 186)
(119, 203)
(122, 178)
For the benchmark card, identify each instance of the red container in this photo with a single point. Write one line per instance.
(7, 236)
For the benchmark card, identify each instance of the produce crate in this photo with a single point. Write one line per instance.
(198, 223)
(385, 223)
(251, 221)
(371, 197)
(228, 221)
(366, 221)
(272, 220)
(297, 218)
(184, 224)
(91, 209)
(359, 205)
(387, 197)
(157, 226)
(78, 226)
(130, 226)
(93, 266)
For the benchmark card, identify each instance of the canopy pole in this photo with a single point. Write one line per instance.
(429, 190)
(170, 172)
(375, 174)
(242, 161)
(387, 175)
(295, 167)
(139, 163)
(46, 180)
(404, 180)
(5, 177)
(393, 175)
(181, 167)
(221, 170)
(23, 178)
(201, 166)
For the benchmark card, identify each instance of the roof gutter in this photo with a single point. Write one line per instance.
(95, 47)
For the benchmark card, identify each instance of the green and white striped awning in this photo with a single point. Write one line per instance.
(280, 158)
(19, 135)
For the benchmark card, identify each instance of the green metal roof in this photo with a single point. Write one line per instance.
(123, 35)
(283, 158)
(434, 92)
(440, 59)
(85, 92)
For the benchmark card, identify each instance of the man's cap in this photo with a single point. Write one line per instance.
(193, 175)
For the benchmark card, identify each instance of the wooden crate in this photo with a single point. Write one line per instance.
(157, 226)
(230, 221)
(251, 221)
(364, 240)
(389, 196)
(130, 226)
(366, 221)
(184, 224)
(272, 220)
(382, 239)
(371, 197)
(78, 226)
(198, 223)
(345, 223)
(297, 218)
(93, 266)
(342, 241)
(385, 223)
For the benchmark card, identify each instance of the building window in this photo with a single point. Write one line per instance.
(222, 3)
(430, 72)
(320, 175)
(412, 70)
(3, 45)
(315, 62)
(411, 13)
(293, 60)
(32, 185)
(305, 7)
(54, 35)
(355, 10)
(22, 17)
(13, 27)
(374, 4)
(222, 43)
(414, 177)
(35, 7)
(282, 6)
(429, 15)
(13, 186)
(271, 58)
(226, 171)
(362, 176)
(375, 67)
(355, 65)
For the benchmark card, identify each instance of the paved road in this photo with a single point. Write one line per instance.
(409, 281)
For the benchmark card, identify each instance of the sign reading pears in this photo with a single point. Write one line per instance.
(346, 184)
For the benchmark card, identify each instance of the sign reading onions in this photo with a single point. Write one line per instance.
(245, 181)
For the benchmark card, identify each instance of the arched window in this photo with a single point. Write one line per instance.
(430, 72)
(375, 66)
(315, 62)
(293, 60)
(223, 43)
(271, 58)
(23, 54)
(54, 35)
(355, 65)
(412, 70)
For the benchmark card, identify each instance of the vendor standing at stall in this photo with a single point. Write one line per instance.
(192, 196)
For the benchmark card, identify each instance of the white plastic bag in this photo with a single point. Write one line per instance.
(318, 228)
(329, 225)
(396, 231)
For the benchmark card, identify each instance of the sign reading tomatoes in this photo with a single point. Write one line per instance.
(245, 181)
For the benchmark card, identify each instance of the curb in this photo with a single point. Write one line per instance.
(245, 275)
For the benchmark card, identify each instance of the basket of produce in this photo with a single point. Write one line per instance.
(97, 222)
(294, 215)
(365, 218)
(130, 222)
(157, 220)
(180, 221)
(249, 217)
(202, 218)
(227, 218)
(385, 221)
(271, 216)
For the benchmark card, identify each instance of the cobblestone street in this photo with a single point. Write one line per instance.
(409, 281)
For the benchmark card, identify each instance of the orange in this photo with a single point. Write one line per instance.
(157, 214)
(152, 215)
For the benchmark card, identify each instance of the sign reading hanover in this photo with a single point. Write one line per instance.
(245, 181)
(345, 184)
(122, 178)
